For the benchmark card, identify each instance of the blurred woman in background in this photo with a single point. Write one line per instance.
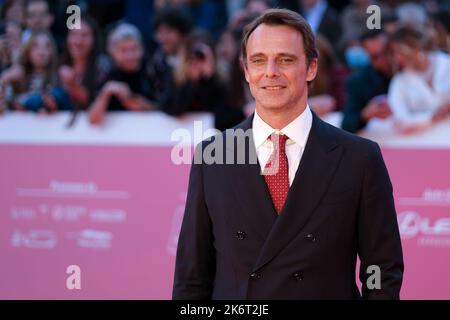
(34, 79)
(83, 68)
(419, 94)
(230, 68)
(326, 92)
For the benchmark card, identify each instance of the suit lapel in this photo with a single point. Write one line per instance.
(318, 164)
(250, 188)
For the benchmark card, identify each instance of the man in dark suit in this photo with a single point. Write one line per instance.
(281, 206)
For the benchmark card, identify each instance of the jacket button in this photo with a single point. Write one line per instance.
(311, 237)
(298, 276)
(255, 275)
(240, 235)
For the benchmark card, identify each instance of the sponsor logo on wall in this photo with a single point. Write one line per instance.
(418, 225)
(50, 209)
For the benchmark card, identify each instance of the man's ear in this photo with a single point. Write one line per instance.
(312, 70)
(245, 69)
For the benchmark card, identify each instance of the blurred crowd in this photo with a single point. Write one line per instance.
(180, 56)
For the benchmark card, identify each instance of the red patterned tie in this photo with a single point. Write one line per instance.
(276, 171)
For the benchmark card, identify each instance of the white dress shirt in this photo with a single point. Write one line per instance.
(297, 131)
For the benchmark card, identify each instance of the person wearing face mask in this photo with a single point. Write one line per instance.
(420, 93)
(365, 90)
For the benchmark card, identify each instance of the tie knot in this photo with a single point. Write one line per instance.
(279, 140)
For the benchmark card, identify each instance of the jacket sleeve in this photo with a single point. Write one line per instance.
(379, 243)
(195, 261)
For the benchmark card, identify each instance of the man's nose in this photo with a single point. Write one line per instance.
(272, 70)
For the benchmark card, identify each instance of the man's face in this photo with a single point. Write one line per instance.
(376, 48)
(38, 16)
(127, 54)
(169, 38)
(276, 67)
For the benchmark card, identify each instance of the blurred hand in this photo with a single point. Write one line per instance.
(2, 100)
(442, 113)
(67, 75)
(137, 102)
(14, 73)
(49, 102)
(17, 106)
(378, 107)
(120, 89)
(410, 129)
(322, 104)
(133, 103)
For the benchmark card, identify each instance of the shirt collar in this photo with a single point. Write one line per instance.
(297, 130)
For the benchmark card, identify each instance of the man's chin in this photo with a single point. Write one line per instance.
(273, 107)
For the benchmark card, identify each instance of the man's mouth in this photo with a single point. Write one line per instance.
(273, 88)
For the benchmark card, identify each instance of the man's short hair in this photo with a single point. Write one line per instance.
(123, 31)
(283, 17)
(174, 18)
(371, 34)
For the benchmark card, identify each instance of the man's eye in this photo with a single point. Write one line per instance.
(286, 60)
(258, 61)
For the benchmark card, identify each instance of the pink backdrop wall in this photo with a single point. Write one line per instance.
(115, 211)
(119, 225)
